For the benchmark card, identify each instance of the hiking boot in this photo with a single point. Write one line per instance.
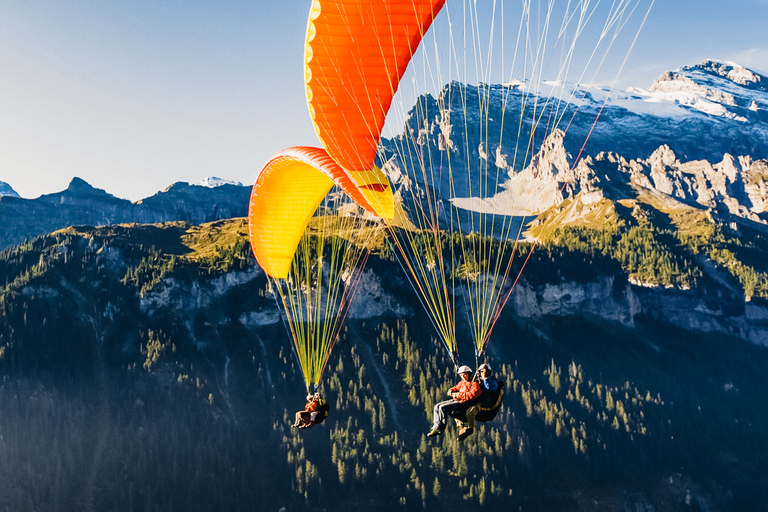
(436, 431)
(464, 433)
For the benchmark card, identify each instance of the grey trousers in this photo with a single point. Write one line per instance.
(443, 409)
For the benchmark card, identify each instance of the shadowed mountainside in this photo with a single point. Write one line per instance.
(83, 205)
(145, 367)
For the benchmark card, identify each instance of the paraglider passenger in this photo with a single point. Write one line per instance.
(303, 417)
(489, 387)
(461, 393)
(314, 412)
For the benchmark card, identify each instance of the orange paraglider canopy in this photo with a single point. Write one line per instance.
(356, 53)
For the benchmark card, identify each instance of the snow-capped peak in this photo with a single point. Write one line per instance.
(729, 70)
(721, 89)
(213, 182)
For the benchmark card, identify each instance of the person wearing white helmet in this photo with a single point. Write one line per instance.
(314, 412)
(489, 388)
(466, 390)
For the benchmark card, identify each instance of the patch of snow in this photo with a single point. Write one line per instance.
(515, 84)
(213, 182)
(642, 102)
(713, 88)
(685, 91)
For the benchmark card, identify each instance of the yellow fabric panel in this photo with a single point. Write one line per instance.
(374, 186)
(284, 198)
(289, 189)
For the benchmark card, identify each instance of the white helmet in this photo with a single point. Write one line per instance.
(464, 369)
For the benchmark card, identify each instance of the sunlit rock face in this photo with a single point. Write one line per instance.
(698, 134)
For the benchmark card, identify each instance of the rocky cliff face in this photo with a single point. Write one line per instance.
(617, 300)
(610, 298)
(470, 133)
(202, 304)
(737, 185)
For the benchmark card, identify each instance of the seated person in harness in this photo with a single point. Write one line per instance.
(314, 412)
(461, 396)
(487, 406)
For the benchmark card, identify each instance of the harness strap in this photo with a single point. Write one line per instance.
(495, 405)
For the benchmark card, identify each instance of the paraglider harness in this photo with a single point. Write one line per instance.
(322, 411)
(489, 401)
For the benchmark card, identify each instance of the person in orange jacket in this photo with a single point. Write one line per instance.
(461, 393)
(314, 412)
(490, 398)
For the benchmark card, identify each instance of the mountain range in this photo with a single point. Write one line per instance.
(698, 135)
(711, 114)
(7, 190)
(81, 204)
(146, 365)
(644, 164)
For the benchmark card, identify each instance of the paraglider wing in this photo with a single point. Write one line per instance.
(286, 194)
(312, 240)
(356, 53)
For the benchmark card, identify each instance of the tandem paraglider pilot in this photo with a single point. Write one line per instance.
(489, 402)
(314, 412)
(462, 393)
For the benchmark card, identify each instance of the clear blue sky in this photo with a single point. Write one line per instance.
(135, 95)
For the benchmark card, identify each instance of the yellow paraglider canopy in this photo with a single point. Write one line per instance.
(287, 192)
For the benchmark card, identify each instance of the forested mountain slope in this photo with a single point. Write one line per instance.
(145, 367)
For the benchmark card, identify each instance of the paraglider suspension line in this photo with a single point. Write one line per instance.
(454, 353)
